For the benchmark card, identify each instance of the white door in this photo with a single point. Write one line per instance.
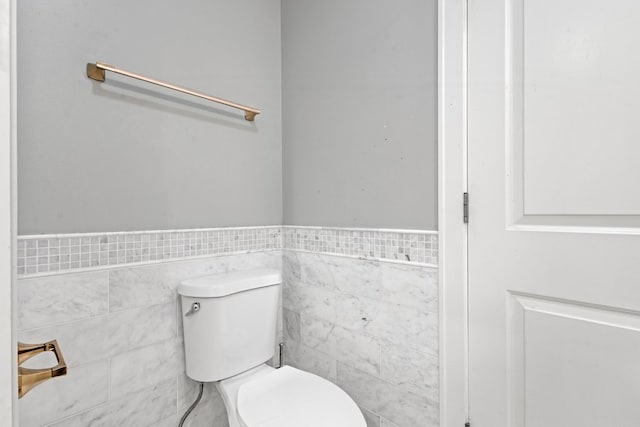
(554, 231)
(7, 346)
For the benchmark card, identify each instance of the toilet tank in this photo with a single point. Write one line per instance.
(229, 322)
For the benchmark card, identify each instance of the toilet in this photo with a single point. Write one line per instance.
(229, 323)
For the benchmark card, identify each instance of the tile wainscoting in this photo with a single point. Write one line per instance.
(360, 309)
(120, 332)
(371, 327)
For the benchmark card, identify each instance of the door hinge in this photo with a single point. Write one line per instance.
(465, 207)
(467, 424)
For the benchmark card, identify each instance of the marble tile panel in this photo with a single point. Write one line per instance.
(139, 327)
(307, 359)
(395, 323)
(404, 366)
(145, 367)
(82, 388)
(249, 261)
(97, 338)
(387, 423)
(144, 407)
(410, 285)
(352, 347)
(291, 267)
(156, 284)
(52, 300)
(335, 273)
(139, 286)
(312, 301)
(395, 403)
(181, 270)
(316, 271)
(355, 276)
(291, 325)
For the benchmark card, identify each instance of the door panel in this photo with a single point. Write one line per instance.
(572, 85)
(554, 318)
(577, 348)
(581, 79)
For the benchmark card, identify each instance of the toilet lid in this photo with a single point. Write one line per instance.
(288, 397)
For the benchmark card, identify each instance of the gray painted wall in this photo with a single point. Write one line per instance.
(360, 109)
(359, 102)
(124, 155)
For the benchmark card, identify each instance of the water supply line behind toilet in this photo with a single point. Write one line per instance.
(195, 307)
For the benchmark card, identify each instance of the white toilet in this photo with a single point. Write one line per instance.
(229, 325)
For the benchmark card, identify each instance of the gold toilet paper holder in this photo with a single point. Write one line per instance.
(29, 378)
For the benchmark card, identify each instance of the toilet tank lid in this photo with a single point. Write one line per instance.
(220, 285)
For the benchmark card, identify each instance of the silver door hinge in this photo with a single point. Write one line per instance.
(467, 424)
(465, 207)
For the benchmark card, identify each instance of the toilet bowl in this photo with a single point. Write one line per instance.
(229, 324)
(287, 397)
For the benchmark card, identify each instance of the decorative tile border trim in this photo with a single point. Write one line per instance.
(41, 255)
(407, 246)
(55, 254)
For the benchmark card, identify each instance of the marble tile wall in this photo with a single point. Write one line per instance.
(360, 307)
(121, 334)
(370, 326)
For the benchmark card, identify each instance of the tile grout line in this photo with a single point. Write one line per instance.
(109, 379)
(109, 291)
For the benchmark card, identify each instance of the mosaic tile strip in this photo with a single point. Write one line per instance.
(397, 245)
(55, 254)
(60, 253)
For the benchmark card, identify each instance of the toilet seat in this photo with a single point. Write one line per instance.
(289, 397)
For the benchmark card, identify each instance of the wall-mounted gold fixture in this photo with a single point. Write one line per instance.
(29, 378)
(97, 72)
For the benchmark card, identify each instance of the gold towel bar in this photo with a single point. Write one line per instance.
(97, 72)
(29, 378)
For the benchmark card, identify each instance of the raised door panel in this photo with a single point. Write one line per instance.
(573, 364)
(573, 80)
